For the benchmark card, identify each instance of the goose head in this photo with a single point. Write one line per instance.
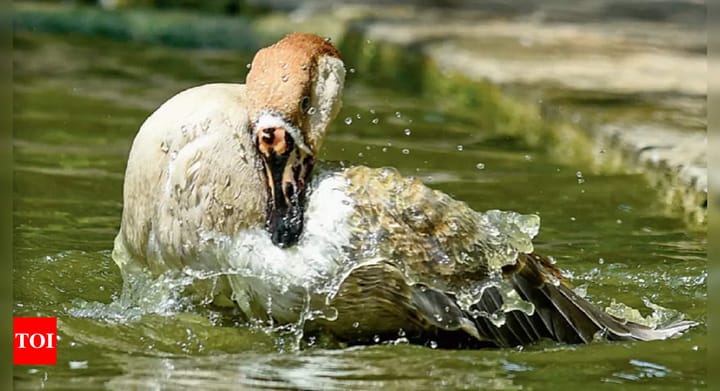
(294, 90)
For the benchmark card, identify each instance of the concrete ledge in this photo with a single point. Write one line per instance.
(618, 95)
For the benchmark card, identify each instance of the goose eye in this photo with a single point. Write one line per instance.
(305, 104)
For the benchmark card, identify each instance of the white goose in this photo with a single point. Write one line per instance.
(218, 185)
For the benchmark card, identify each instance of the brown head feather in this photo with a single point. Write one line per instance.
(281, 75)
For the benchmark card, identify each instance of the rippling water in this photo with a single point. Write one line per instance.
(78, 103)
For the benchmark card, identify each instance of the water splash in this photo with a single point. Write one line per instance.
(660, 317)
(377, 216)
(511, 301)
(141, 295)
(518, 229)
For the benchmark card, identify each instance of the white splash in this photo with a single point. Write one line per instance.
(282, 281)
(319, 251)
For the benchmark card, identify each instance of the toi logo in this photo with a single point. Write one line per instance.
(35, 341)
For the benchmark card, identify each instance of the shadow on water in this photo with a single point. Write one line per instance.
(75, 116)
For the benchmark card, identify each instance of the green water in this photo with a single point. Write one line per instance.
(78, 103)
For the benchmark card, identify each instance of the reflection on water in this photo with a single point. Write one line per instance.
(75, 115)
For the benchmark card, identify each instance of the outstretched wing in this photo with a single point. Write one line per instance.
(429, 268)
(376, 302)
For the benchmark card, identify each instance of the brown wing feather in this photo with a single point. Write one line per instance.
(561, 314)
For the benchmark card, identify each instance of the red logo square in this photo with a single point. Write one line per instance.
(35, 341)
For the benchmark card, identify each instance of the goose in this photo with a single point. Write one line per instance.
(221, 185)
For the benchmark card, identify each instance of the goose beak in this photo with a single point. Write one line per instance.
(288, 164)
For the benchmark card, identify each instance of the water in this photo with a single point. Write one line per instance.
(78, 103)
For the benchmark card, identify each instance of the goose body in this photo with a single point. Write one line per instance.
(218, 185)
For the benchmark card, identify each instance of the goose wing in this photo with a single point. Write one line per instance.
(429, 268)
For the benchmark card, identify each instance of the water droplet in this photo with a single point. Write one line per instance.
(312, 111)
(328, 39)
(372, 111)
(376, 338)
(285, 65)
(78, 364)
(528, 158)
(401, 333)
(447, 308)
(398, 114)
(348, 120)
(384, 149)
(480, 166)
(460, 148)
(248, 66)
(407, 132)
(352, 70)
(360, 154)
(438, 317)
(580, 178)
(285, 78)
(405, 151)
(164, 147)
(375, 121)
(433, 345)
(625, 208)
(358, 116)
(601, 261)
(618, 221)
(356, 325)
(572, 218)
(401, 341)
